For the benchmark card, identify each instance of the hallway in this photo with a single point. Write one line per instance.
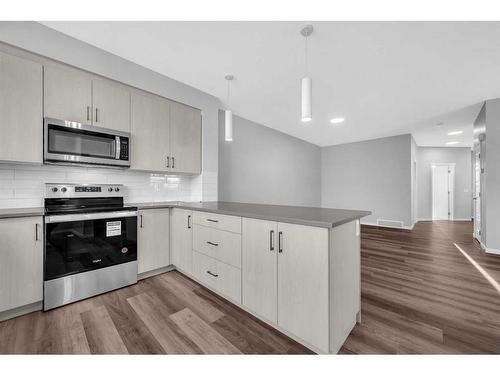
(421, 294)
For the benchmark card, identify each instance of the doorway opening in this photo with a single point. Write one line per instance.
(443, 186)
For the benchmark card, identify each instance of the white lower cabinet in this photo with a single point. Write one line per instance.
(285, 277)
(21, 262)
(303, 296)
(182, 240)
(153, 240)
(223, 278)
(260, 267)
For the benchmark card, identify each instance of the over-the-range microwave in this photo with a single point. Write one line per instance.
(75, 143)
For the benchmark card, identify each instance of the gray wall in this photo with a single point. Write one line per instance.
(491, 191)
(47, 42)
(461, 156)
(263, 165)
(372, 175)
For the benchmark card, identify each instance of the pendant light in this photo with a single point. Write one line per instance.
(306, 97)
(228, 114)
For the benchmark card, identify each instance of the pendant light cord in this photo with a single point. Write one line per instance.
(305, 55)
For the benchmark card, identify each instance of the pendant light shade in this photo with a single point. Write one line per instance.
(228, 114)
(228, 129)
(306, 99)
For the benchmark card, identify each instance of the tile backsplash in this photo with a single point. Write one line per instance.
(23, 185)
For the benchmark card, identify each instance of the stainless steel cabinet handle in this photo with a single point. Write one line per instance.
(173, 162)
(141, 220)
(189, 221)
(36, 232)
(88, 113)
(271, 240)
(96, 112)
(213, 274)
(168, 161)
(213, 220)
(212, 243)
(280, 242)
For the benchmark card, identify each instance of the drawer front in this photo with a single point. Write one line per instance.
(218, 244)
(223, 278)
(223, 222)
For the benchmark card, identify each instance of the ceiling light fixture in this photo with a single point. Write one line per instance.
(306, 97)
(228, 114)
(455, 132)
(452, 143)
(337, 120)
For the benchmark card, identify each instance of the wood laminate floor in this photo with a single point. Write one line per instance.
(420, 294)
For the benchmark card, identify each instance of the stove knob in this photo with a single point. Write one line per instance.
(54, 189)
(110, 189)
(117, 189)
(64, 190)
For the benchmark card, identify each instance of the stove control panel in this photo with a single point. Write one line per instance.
(83, 190)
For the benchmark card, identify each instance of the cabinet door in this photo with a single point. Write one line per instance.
(185, 138)
(303, 283)
(21, 124)
(111, 105)
(150, 127)
(67, 94)
(259, 267)
(153, 239)
(21, 262)
(182, 240)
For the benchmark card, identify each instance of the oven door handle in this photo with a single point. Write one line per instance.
(93, 216)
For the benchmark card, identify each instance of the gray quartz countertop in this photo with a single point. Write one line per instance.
(313, 216)
(21, 212)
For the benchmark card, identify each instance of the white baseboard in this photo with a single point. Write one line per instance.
(388, 226)
(488, 250)
(457, 219)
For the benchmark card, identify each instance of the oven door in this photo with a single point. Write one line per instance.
(72, 142)
(84, 242)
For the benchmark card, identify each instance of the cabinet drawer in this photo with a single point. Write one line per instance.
(224, 222)
(218, 244)
(221, 277)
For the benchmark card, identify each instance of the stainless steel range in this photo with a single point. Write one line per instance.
(90, 242)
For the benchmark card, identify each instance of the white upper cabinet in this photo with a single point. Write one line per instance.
(111, 105)
(185, 138)
(74, 95)
(150, 144)
(303, 305)
(67, 94)
(21, 115)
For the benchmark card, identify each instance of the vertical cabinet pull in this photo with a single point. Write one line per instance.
(189, 221)
(173, 162)
(36, 232)
(280, 242)
(168, 161)
(271, 240)
(96, 112)
(88, 113)
(141, 220)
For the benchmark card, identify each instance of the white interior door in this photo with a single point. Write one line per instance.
(442, 191)
(477, 193)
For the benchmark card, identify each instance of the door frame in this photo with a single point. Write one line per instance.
(451, 188)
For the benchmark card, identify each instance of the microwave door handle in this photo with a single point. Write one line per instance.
(117, 147)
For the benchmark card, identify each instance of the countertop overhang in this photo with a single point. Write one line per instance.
(312, 216)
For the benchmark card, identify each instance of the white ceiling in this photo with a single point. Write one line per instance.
(385, 78)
